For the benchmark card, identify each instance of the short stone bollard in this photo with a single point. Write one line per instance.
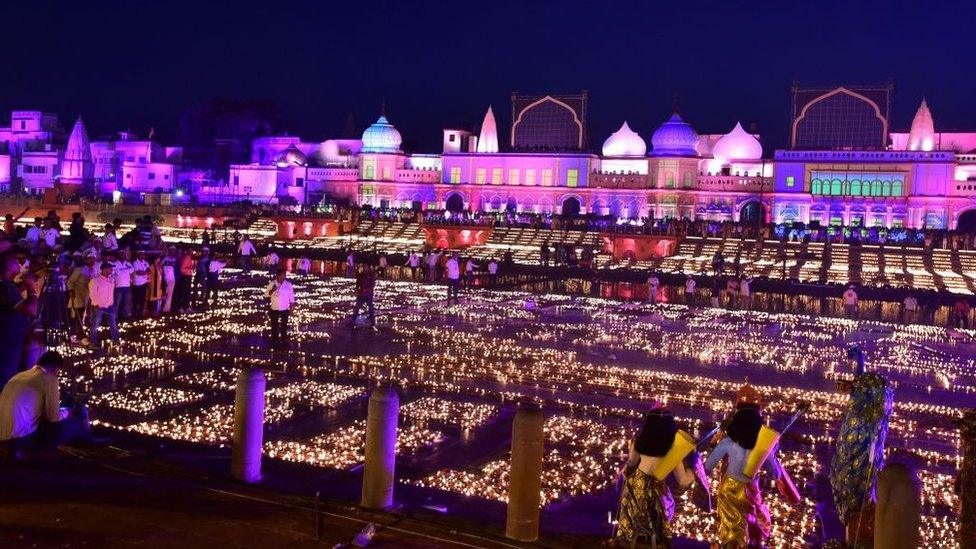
(248, 438)
(381, 437)
(898, 511)
(525, 477)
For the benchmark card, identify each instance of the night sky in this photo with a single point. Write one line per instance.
(132, 65)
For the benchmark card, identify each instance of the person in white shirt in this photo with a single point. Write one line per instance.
(745, 293)
(653, 283)
(217, 264)
(414, 263)
(247, 249)
(492, 271)
(109, 241)
(690, 292)
(850, 302)
(101, 292)
(140, 279)
(453, 277)
(304, 265)
(30, 407)
(281, 296)
(909, 306)
(122, 270)
(51, 235)
(432, 259)
(34, 233)
(271, 261)
(169, 278)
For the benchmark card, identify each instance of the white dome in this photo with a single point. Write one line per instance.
(738, 144)
(381, 137)
(624, 142)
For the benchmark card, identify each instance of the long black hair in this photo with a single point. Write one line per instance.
(744, 427)
(657, 434)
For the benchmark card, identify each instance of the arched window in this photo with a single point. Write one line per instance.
(815, 186)
(856, 187)
(886, 188)
(835, 188)
(897, 187)
(876, 188)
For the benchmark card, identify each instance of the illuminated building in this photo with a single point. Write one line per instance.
(845, 166)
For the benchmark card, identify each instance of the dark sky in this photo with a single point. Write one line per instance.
(135, 64)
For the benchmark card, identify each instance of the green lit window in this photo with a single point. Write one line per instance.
(688, 180)
(455, 175)
(836, 220)
(481, 176)
(815, 187)
(875, 188)
(572, 178)
(670, 180)
(886, 188)
(369, 169)
(835, 187)
(513, 176)
(856, 187)
(897, 188)
(790, 181)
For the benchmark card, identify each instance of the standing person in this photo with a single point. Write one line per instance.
(247, 250)
(77, 285)
(110, 242)
(716, 292)
(453, 269)
(850, 303)
(101, 291)
(200, 277)
(690, 292)
(51, 235)
(140, 281)
(414, 263)
(77, 234)
(281, 295)
(365, 288)
(646, 502)
(908, 308)
(18, 308)
(271, 261)
(184, 276)
(860, 448)
(169, 278)
(492, 272)
(304, 265)
(744, 520)
(351, 264)
(155, 289)
(432, 258)
(382, 262)
(731, 288)
(653, 284)
(213, 281)
(34, 233)
(745, 293)
(122, 271)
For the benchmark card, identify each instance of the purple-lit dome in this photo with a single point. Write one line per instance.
(291, 157)
(738, 144)
(674, 138)
(381, 137)
(624, 142)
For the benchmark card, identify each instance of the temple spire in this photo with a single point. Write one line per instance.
(922, 135)
(488, 139)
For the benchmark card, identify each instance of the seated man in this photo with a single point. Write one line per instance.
(30, 412)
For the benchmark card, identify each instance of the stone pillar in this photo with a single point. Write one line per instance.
(381, 437)
(248, 438)
(898, 513)
(967, 481)
(525, 478)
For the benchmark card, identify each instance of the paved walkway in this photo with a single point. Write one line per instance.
(110, 499)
